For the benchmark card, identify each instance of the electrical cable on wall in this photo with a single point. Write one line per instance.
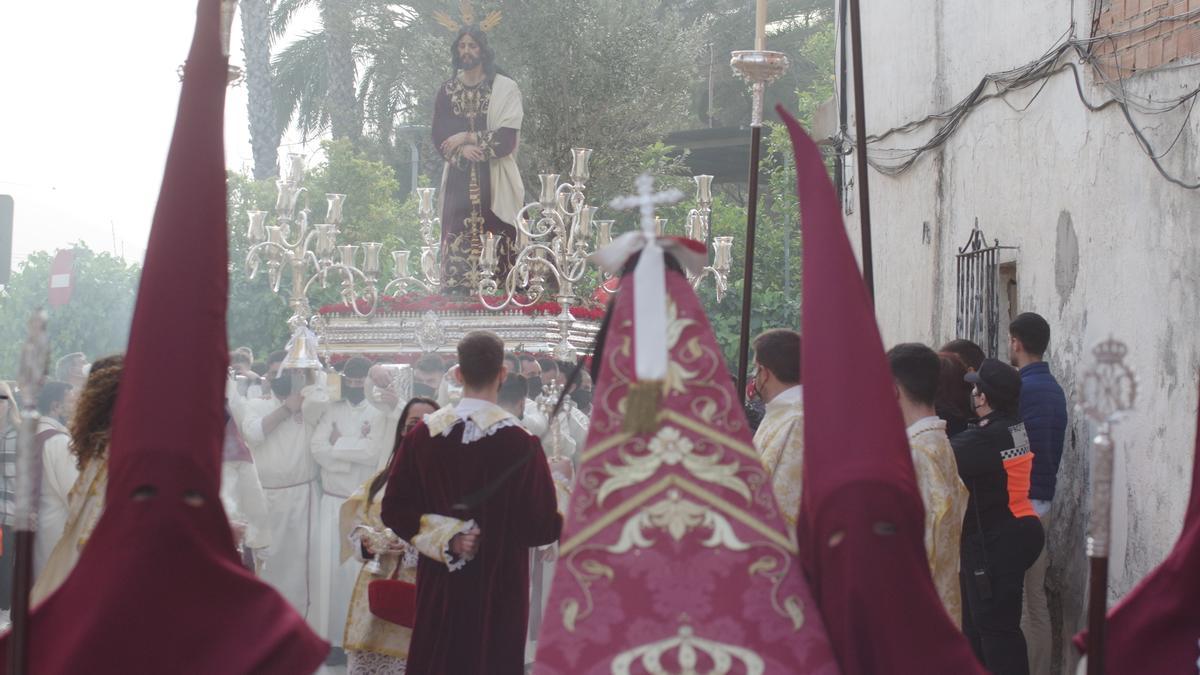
(894, 161)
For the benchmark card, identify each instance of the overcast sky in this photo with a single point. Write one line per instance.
(88, 93)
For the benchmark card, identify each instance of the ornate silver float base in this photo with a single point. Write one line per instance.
(407, 335)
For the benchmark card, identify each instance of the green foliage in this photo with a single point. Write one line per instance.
(373, 211)
(95, 322)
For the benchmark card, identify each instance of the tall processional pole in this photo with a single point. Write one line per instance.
(759, 67)
(1106, 392)
(860, 146)
(35, 360)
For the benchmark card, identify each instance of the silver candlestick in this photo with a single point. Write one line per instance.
(310, 254)
(698, 226)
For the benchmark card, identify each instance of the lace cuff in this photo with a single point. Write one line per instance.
(434, 537)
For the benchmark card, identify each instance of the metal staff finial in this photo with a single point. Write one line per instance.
(35, 362)
(1105, 393)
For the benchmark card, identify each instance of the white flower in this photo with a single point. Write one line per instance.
(670, 446)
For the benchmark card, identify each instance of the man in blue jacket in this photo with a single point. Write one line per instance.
(1043, 409)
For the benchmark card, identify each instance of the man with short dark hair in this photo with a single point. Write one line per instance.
(970, 353)
(58, 468)
(780, 436)
(531, 370)
(512, 395)
(916, 370)
(472, 491)
(1043, 409)
(550, 371)
(428, 372)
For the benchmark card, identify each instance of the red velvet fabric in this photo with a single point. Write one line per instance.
(861, 524)
(159, 588)
(1156, 626)
(473, 620)
(674, 545)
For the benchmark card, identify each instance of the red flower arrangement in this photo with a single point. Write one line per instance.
(421, 302)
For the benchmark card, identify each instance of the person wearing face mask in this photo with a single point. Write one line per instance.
(347, 446)
(1002, 535)
(780, 436)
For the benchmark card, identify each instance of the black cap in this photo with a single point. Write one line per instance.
(999, 381)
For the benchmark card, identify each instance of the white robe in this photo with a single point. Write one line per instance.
(344, 466)
(288, 475)
(58, 476)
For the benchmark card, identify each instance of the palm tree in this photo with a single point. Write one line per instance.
(265, 130)
(315, 75)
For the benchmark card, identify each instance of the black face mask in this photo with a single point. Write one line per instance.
(583, 399)
(281, 386)
(354, 395)
(535, 386)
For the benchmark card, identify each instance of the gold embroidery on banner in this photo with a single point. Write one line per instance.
(685, 648)
(711, 434)
(795, 609)
(670, 448)
(677, 517)
(634, 502)
(591, 571)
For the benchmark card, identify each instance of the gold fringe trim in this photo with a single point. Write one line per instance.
(642, 407)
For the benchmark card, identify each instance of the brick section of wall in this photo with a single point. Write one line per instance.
(1154, 38)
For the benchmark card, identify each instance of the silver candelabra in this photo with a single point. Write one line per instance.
(698, 226)
(310, 254)
(431, 231)
(555, 236)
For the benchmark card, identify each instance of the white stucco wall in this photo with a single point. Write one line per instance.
(1107, 246)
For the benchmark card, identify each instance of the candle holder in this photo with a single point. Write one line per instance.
(308, 257)
(431, 280)
(555, 236)
(759, 68)
(698, 226)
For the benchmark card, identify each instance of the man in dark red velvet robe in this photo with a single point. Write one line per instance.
(476, 126)
(472, 491)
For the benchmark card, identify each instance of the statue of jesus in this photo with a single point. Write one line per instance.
(477, 127)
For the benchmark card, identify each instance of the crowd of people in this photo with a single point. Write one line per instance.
(305, 460)
(309, 457)
(986, 439)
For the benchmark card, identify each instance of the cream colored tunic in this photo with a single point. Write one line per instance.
(780, 442)
(945, 499)
(365, 631)
(85, 506)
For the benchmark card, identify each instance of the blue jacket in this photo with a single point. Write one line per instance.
(1044, 412)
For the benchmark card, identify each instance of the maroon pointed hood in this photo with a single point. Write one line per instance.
(1156, 627)
(159, 587)
(861, 525)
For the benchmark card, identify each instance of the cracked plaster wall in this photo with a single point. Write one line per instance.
(1106, 247)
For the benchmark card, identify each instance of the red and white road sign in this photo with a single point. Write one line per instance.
(62, 278)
